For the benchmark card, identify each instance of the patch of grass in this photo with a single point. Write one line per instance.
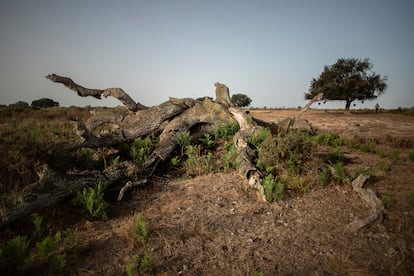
(273, 189)
(15, 255)
(368, 170)
(336, 156)
(329, 139)
(325, 176)
(91, 199)
(383, 166)
(381, 153)
(339, 175)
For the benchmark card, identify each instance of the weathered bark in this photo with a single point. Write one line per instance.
(247, 154)
(370, 197)
(223, 95)
(97, 93)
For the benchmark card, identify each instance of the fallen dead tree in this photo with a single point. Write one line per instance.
(167, 119)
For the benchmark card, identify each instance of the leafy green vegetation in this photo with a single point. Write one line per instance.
(91, 199)
(329, 139)
(21, 253)
(141, 231)
(230, 157)
(141, 149)
(273, 188)
(15, 255)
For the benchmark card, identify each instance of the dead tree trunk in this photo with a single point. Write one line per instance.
(167, 119)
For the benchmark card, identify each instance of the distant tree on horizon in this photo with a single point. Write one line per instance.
(241, 100)
(44, 102)
(349, 79)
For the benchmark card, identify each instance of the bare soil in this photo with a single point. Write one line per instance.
(211, 225)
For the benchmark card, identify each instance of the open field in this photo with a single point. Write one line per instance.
(210, 225)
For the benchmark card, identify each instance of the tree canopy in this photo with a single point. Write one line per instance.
(349, 79)
(241, 100)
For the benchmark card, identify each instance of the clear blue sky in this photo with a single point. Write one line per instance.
(268, 50)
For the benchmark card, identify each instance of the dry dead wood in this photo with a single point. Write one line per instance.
(117, 93)
(370, 197)
(167, 119)
(246, 153)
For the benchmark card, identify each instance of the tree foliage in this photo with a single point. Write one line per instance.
(349, 79)
(241, 100)
(44, 102)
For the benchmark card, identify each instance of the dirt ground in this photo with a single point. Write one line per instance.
(210, 225)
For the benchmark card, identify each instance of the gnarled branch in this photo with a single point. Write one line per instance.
(117, 93)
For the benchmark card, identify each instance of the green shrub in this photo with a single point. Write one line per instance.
(381, 152)
(230, 157)
(131, 267)
(329, 139)
(383, 166)
(49, 245)
(91, 199)
(325, 176)
(225, 131)
(72, 241)
(208, 140)
(146, 264)
(184, 140)
(259, 137)
(336, 156)
(141, 229)
(273, 189)
(339, 174)
(141, 149)
(58, 262)
(192, 164)
(209, 163)
(15, 255)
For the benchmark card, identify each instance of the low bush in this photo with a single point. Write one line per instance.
(91, 199)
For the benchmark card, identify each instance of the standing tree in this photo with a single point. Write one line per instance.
(241, 100)
(348, 80)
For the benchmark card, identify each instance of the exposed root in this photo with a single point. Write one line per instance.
(370, 197)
